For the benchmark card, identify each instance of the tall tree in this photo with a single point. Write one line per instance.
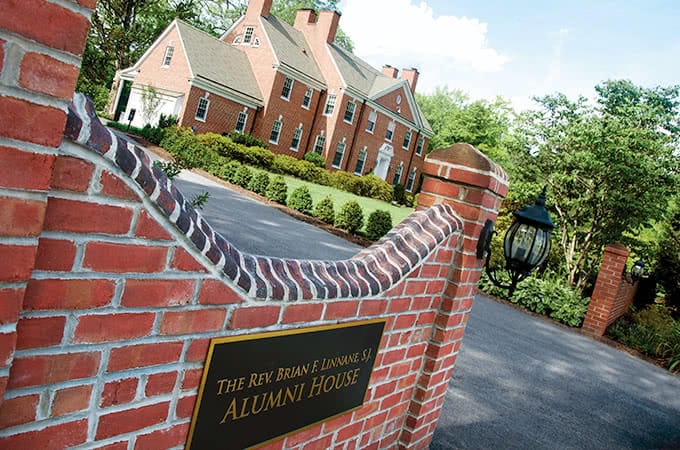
(610, 167)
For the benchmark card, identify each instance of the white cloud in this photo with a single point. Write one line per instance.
(404, 34)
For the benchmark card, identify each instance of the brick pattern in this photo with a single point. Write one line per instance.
(613, 294)
(111, 348)
(39, 65)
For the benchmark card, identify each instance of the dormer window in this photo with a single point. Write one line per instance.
(248, 35)
(169, 50)
(287, 88)
(390, 131)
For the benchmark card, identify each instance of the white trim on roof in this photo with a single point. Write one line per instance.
(233, 26)
(413, 105)
(230, 94)
(290, 72)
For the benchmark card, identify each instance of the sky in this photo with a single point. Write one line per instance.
(519, 49)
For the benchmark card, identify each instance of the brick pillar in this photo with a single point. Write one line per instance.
(603, 301)
(475, 186)
(41, 44)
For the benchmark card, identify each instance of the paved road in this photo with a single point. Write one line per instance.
(520, 382)
(261, 230)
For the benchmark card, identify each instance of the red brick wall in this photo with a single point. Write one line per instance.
(222, 113)
(39, 63)
(613, 294)
(112, 287)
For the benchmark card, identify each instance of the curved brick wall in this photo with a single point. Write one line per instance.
(373, 271)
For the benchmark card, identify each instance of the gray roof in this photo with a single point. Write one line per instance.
(367, 80)
(291, 48)
(216, 61)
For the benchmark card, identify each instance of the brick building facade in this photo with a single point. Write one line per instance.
(290, 86)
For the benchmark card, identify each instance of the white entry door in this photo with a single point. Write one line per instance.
(382, 164)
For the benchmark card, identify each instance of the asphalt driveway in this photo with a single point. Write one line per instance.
(519, 382)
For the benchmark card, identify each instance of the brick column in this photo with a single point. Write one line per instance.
(475, 186)
(41, 43)
(603, 301)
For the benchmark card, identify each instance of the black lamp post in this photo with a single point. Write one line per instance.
(526, 244)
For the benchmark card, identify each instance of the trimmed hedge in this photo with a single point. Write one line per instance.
(207, 151)
(379, 223)
(350, 217)
(301, 200)
(325, 211)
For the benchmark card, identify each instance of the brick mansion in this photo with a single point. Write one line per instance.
(291, 86)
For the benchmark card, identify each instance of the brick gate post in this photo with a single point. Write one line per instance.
(475, 186)
(41, 43)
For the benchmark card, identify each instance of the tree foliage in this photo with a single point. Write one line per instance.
(454, 118)
(610, 167)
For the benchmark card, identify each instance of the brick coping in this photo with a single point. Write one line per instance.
(370, 272)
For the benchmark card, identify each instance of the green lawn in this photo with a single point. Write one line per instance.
(340, 197)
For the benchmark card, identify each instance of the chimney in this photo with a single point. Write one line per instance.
(390, 71)
(304, 17)
(258, 8)
(327, 24)
(411, 76)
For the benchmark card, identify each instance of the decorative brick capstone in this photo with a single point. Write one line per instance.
(369, 273)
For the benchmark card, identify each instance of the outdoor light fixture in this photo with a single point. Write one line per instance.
(637, 270)
(526, 244)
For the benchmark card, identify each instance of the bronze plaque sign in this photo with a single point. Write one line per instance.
(262, 386)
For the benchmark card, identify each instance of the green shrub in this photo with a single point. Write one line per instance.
(247, 139)
(315, 159)
(186, 147)
(259, 183)
(379, 223)
(376, 188)
(230, 170)
(345, 181)
(254, 156)
(301, 200)
(277, 190)
(170, 168)
(651, 331)
(243, 176)
(325, 211)
(399, 193)
(550, 296)
(350, 217)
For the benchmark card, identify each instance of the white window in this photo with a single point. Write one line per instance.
(276, 132)
(349, 111)
(287, 88)
(411, 180)
(319, 143)
(339, 154)
(361, 160)
(397, 174)
(330, 105)
(307, 99)
(202, 109)
(419, 147)
(407, 139)
(297, 134)
(248, 35)
(390, 131)
(169, 50)
(241, 122)
(372, 118)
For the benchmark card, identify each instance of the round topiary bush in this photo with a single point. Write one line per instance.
(399, 193)
(325, 211)
(259, 183)
(277, 190)
(350, 217)
(301, 200)
(243, 176)
(379, 223)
